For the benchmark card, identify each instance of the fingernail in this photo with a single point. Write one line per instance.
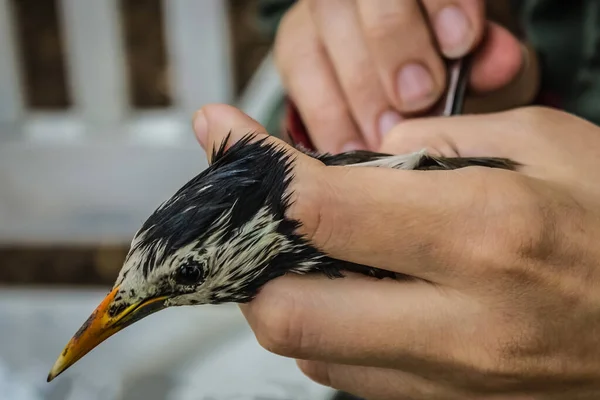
(352, 146)
(201, 128)
(387, 121)
(415, 86)
(453, 31)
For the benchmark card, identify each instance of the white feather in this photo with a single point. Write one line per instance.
(402, 161)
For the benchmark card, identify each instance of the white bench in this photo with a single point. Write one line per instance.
(95, 172)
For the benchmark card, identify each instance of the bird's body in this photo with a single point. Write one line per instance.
(226, 233)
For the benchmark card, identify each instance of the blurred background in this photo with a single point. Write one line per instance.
(96, 100)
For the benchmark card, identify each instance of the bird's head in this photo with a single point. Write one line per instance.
(216, 240)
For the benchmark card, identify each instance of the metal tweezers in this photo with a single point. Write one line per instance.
(450, 104)
(458, 77)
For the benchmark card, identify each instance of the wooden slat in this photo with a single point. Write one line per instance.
(250, 44)
(10, 95)
(198, 39)
(95, 59)
(145, 47)
(61, 265)
(40, 48)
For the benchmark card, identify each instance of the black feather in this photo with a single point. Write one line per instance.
(242, 179)
(248, 176)
(428, 162)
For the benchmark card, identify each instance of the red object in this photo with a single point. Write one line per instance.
(296, 130)
(297, 134)
(548, 99)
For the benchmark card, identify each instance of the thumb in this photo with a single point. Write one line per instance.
(213, 122)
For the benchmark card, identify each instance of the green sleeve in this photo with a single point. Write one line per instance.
(566, 35)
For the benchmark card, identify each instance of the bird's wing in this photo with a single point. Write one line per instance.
(401, 161)
(356, 157)
(419, 160)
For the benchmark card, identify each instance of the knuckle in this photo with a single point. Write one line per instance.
(278, 326)
(360, 79)
(499, 362)
(317, 372)
(316, 204)
(514, 347)
(524, 233)
(404, 135)
(331, 229)
(513, 231)
(554, 219)
(310, 194)
(530, 113)
(516, 224)
(328, 120)
(384, 25)
(414, 135)
(503, 352)
(532, 116)
(536, 119)
(532, 233)
(324, 112)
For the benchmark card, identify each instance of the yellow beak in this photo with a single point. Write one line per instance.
(100, 326)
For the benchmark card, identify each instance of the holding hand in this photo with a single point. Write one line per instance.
(506, 303)
(356, 68)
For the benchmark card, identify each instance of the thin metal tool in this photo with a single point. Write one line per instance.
(458, 77)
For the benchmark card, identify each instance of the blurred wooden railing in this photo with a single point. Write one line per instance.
(96, 98)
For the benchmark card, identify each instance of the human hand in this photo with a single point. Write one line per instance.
(506, 304)
(355, 68)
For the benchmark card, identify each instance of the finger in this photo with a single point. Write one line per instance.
(321, 196)
(521, 90)
(458, 24)
(506, 134)
(404, 51)
(316, 318)
(392, 220)
(376, 383)
(424, 239)
(498, 61)
(339, 28)
(311, 82)
(520, 134)
(213, 122)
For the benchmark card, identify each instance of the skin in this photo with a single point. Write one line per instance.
(507, 304)
(341, 62)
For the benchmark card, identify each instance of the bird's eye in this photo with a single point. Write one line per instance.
(189, 273)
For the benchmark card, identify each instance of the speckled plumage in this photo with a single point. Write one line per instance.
(229, 223)
(225, 234)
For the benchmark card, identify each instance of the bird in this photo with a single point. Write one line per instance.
(225, 233)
